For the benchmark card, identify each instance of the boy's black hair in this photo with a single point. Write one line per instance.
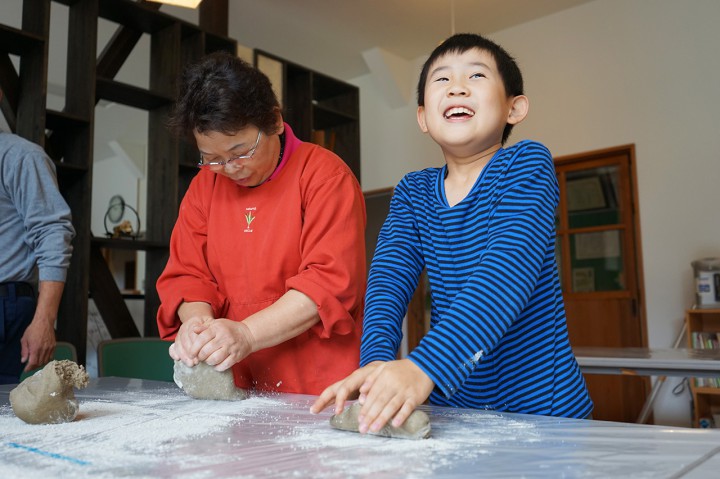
(462, 42)
(223, 93)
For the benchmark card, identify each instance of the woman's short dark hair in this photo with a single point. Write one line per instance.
(223, 93)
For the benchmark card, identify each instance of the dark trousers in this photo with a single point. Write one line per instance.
(17, 309)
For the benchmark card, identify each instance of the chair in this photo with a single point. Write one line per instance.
(142, 358)
(63, 350)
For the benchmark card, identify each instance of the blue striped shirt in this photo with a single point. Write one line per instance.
(498, 335)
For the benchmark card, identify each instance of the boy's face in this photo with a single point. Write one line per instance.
(466, 107)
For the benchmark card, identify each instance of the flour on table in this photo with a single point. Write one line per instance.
(124, 433)
(455, 438)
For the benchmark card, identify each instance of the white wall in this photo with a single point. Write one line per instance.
(603, 74)
(391, 141)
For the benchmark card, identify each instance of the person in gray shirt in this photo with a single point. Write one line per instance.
(35, 248)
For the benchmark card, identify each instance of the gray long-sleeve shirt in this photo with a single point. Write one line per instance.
(35, 223)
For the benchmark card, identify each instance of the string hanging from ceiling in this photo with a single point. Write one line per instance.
(452, 17)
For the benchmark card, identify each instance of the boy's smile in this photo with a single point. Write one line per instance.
(458, 112)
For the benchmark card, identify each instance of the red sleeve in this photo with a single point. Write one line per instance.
(186, 277)
(332, 247)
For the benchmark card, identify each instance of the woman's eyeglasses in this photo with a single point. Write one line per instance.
(204, 164)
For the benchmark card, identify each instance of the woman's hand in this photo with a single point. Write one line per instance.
(222, 343)
(184, 349)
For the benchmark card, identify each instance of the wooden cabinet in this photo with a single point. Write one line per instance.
(173, 43)
(703, 332)
(320, 109)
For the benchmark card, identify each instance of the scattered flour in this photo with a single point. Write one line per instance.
(460, 437)
(118, 436)
(164, 433)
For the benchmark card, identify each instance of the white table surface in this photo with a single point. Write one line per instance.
(135, 428)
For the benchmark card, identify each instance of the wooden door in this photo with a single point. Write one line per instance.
(598, 249)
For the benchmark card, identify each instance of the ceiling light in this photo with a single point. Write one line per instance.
(180, 3)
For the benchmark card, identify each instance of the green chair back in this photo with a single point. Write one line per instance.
(143, 358)
(63, 350)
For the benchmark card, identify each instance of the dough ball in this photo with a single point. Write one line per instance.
(417, 426)
(47, 396)
(204, 382)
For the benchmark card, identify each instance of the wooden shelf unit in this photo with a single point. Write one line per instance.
(705, 399)
(130, 95)
(314, 102)
(19, 42)
(68, 136)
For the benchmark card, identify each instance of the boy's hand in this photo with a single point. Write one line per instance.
(344, 389)
(392, 392)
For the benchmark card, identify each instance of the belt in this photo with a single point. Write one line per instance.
(21, 289)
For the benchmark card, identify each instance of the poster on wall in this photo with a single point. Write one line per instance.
(603, 244)
(585, 194)
(583, 280)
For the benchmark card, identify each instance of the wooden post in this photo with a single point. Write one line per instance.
(214, 17)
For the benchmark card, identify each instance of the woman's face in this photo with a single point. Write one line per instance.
(247, 157)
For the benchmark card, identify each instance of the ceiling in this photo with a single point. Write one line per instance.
(330, 35)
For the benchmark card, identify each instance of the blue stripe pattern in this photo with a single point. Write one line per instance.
(498, 335)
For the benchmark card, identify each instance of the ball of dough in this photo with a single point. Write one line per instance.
(417, 426)
(47, 396)
(204, 382)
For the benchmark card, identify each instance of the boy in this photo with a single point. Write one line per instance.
(483, 227)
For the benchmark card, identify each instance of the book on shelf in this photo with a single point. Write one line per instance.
(706, 340)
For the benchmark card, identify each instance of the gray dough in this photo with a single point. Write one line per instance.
(47, 396)
(204, 382)
(417, 426)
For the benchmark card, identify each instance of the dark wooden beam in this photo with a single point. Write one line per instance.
(9, 82)
(80, 80)
(108, 299)
(214, 17)
(119, 47)
(72, 137)
(163, 152)
(30, 111)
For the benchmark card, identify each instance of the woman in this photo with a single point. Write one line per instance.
(267, 258)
